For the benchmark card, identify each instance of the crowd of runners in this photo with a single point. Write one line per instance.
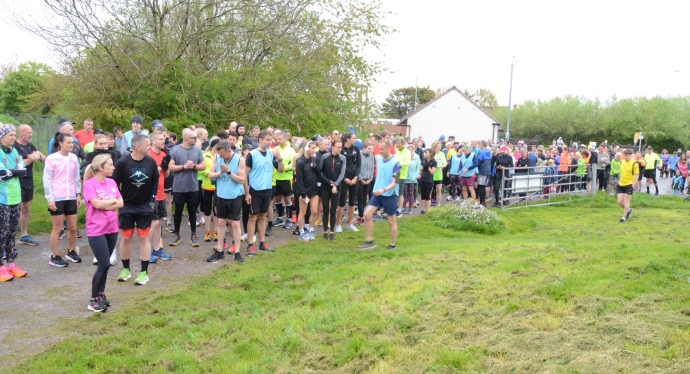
(244, 182)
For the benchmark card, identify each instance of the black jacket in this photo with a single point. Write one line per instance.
(305, 177)
(332, 169)
(503, 160)
(317, 161)
(91, 155)
(353, 161)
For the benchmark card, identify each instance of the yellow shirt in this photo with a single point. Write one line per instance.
(628, 171)
(451, 153)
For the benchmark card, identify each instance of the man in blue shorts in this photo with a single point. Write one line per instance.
(385, 195)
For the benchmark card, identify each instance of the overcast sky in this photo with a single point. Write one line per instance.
(584, 48)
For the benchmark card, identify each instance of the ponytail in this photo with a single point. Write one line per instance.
(92, 169)
(56, 142)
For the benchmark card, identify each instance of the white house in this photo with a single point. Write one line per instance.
(451, 113)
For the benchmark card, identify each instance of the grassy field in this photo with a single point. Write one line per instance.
(562, 289)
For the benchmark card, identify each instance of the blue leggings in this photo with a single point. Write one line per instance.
(102, 247)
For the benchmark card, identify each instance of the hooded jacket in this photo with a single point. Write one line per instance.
(305, 177)
(332, 169)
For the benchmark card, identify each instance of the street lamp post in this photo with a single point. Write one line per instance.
(510, 99)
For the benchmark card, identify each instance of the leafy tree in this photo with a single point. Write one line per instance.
(401, 100)
(295, 64)
(665, 121)
(484, 97)
(18, 85)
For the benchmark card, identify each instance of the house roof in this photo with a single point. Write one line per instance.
(403, 120)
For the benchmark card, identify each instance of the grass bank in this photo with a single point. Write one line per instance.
(561, 289)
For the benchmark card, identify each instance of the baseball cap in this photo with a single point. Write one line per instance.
(136, 119)
(98, 131)
(443, 137)
(247, 147)
(156, 123)
(65, 120)
(504, 148)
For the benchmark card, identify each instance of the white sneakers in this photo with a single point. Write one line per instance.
(338, 228)
(244, 238)
(352, 228)
(113, 258)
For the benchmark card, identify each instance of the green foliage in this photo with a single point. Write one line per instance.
(464, 216)
(18, 85)
(297, 65)
(485, 97)
(401, 100)
(664, 121)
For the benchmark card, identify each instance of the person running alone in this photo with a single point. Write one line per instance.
(62, 189)
(630, 169)
(185, 161)
(385, 196)
(348, 191)
(228, 169)
(29, 154)
(11, 169)
(332, 171)
(102, 199)
(259, 165)
(306, 189)
(137, 176)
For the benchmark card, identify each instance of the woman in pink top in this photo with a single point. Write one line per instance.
(62, 189)
(102, 199)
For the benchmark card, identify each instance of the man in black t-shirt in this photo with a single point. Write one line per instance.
(136, 174)
(29, 154)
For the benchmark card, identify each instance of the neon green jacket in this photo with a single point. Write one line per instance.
(404, 158)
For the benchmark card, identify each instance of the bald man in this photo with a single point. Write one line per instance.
(29, 154)
(185, 161)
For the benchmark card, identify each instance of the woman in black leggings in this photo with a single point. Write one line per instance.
(426, 181)
(102, 199)
(332, 170)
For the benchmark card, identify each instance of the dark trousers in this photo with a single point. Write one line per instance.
(363, 196)
(102, 247)
(180, 199)
(602, 179)
(329, 202)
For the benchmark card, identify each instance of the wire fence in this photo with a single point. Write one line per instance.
(44, 127)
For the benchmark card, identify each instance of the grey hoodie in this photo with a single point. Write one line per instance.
(366, 172)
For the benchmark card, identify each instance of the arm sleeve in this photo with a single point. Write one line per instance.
(321, 163)
(117, 174)
(358, 163)
(48, 180)
(154, 183)
(299, 175)
(88, 192)
(77, 177)
(342, 171)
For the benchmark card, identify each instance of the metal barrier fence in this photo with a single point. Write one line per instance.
(521, 187)
(44, 127)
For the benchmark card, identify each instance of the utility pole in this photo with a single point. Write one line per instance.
(510, 99)
(416, 84)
